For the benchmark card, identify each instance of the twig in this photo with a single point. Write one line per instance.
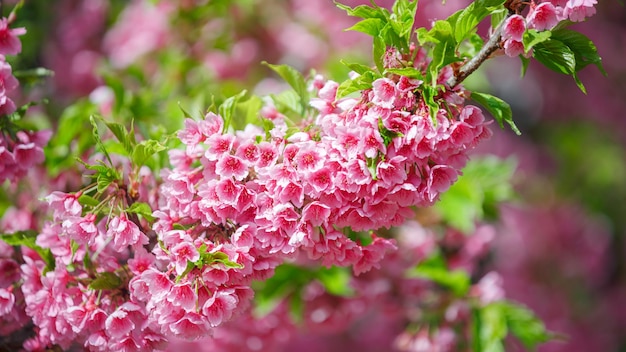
(492, 45)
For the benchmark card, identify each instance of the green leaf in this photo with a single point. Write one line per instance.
(497, 17)
(28, 238)
(287, 102)
(410, 72)
(228, 107)
(96, 137)
(585, 52)
(358, 68)
(144, 150)
(249, 111)
(476, 195)
(469, 18)
(336, 280)
(142, 209)
(404, 18)
(429, 93)
(556, 56)
(378, 52)
(106, 281)
(221, 257)
(532, 37)
(86, 200)
(525, 325)
(525, 62)
(295, 79)
(364, 11)
(435, 269)
(371, 26)
(360, 83)
(493, 328)
(498, 108)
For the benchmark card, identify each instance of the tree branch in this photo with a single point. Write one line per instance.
(492, 45)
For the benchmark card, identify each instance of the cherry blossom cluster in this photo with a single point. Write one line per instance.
(238, 203)
(381, 308)
(543, 15)
(10, 44)
(19, 150)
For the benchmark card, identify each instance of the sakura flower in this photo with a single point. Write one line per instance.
(125, 233)
(64, 204)
(9, 43)
(220, 307)
(514, 28)
(542, 17)
(7, 301)
(81, 229)
(578, 10)
(384, 92)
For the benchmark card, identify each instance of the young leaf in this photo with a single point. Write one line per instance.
(228, 107)
(498, 108)
(472, 15)
(144, 150)
(295, 79)
(361, 82)
(493, 328)
(378, 52)
(533, 37)
(96, 137)
(371, 26)
(358, 68)
(529, 329)
(142, 209)
(364, 11)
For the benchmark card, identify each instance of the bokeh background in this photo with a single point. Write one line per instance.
(559, 245)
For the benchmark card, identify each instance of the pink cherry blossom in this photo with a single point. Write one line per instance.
(9, 43)
(514, 28)
(125, 233)
(578, 10)
(543, 16)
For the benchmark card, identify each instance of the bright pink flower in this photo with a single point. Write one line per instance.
(316, 213)
(64, 204)
(514, 28)
(220, 307)
(183, 295)
(543, 16)
(191, 326)
(227, 191)
(219, 145)
(578, 10)
(119, 324)
(184, 252)
(248, 151)
(384, 92)
(191, 134)
(231, 166)
(9, 43)
(513, 48)
(440, 178)
(125, 233)
(7, 301)
(81, 229)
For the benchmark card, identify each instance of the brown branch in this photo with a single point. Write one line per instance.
(489, 48)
